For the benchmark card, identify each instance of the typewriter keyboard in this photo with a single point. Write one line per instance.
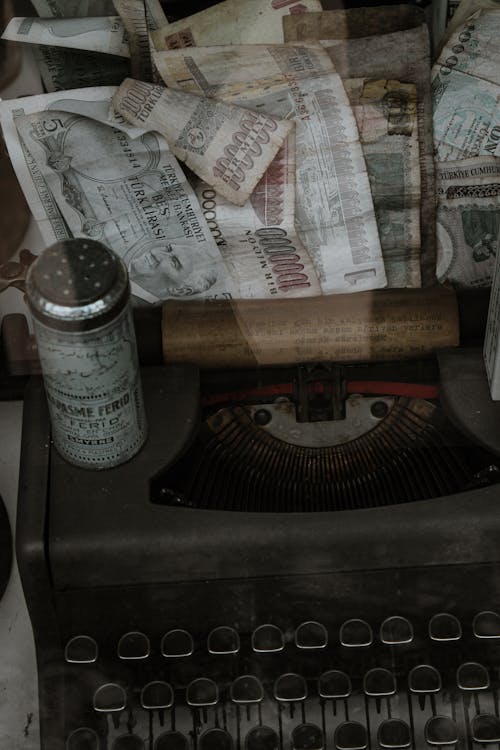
(396, 685)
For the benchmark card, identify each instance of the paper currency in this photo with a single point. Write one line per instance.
(133, 16)
(73, 8)
(404, 56)
(334, 211)
(98, 34)
(466, 90)
(352, 23)
(227, 146)
(131, 195)
(464, 10)
(260, 236)
(468, 220)
(232, 22)
(385, 112)
(63, 69)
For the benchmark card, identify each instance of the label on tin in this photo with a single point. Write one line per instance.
(94, 392)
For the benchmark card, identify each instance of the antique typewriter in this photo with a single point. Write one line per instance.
(299, 559)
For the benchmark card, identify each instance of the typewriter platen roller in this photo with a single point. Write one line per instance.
(363, 616)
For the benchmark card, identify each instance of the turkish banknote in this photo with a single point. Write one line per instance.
(232, 22)
(262, 232)
(133, 16)
(385, 112)
(468, 220)
(73, 8)
(466, 90)
(104, 34)
(225, 145)
(403, 56)
(63, 69)
(335, 219)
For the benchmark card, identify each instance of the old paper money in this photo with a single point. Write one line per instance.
(261, 234)
(73, 8)
(468, 220)
(227, 146)
(352, 23)
(466, 9)
(385, 112)
(466, 90)
(98, 34)
(334, 210)
(133, 16)
(404, 56)
(232, 22)
(63, 69)
(131, 195)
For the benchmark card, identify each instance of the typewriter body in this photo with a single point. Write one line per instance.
(167, 620)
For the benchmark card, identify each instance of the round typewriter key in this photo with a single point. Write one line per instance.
(307, 737)
(485, 729)
(128, 742)
(134, 645)
(445, 627)
(82, 649)
(351, 735)
(223, 640)
(472, 677)
(82, 739)
(202, 692)
(110, 698)
(334, 684)
(311, 635)
(267, 639)
(394, 734)
(246, 689)
(441, 730)
(262, 738)
(216, 739)
(171, 741)
(424, 679)
(356, 634)
(157, 696)
(290, 687)
(379, 683)
(396, 631)
(486, 625)
(177, 643)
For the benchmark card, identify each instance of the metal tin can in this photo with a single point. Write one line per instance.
(79, 296)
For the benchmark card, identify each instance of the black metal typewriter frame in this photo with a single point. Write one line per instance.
(124, 556)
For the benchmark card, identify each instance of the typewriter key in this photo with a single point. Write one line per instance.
(356, 634)
(351, 735)
(334, 684)
(201, 693)
(379, 683)
(110, 698)
(223, 640)
(177, 643)
(157, 696)
(485, 729)
(445, 627)
(133, 645)
(290, 688)
(81, 650)
(394, 734)
(472, 677)
(311, 635)
(486, 625)
(83, 739)
(246, 689)
(307, 737)
(262, 738)
(424, 679)
(396, 631)
(441, 730)
(267, 639)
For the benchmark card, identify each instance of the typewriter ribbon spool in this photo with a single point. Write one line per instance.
(78, 292)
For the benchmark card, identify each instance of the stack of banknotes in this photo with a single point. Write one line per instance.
(264, 148)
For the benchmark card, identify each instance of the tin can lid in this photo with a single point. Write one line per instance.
(74, 283)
